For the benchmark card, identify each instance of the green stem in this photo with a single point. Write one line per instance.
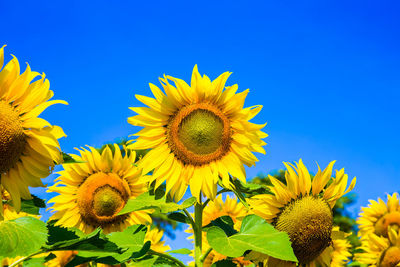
(15, 263)
(190, 218)
(204, 256)
(198, 234)
(178, 262)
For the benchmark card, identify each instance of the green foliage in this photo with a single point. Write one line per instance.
(340, 215)
(67, 159)
(255, 234)
(248, 189)
(264, 181)
(156, 200)
(22, 236)
(344, 220)
(223, 222)
(224, 263)
(178, 217)
(95, 241)
(113, 248)
(33, 205)
(30, 206)
(60, 234)
(131, 240)
(182, 251)
(36, 262)
(154, 261)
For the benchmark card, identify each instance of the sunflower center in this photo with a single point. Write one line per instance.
(389, 219)
(101, 197)
(12, 137)
(308, 222)
(199, 133)
(390, 258)
(106, 201)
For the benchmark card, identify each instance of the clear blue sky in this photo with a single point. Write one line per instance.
(327, 72)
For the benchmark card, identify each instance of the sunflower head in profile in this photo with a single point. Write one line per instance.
(378, 216)
(155, 235)
(28, 144)
(303, 208)
(199, 133)
(94, 191)
(379, 251)
(215, 209)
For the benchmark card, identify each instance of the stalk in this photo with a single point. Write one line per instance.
(198, 234)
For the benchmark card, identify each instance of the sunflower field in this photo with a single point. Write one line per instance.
(185, 168)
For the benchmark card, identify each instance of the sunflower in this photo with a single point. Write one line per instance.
(28, 145)
(197, 134)
(379, 215)
(94, 191)
(154, 236)
(215, 209)
(379, 251)
(303, 209)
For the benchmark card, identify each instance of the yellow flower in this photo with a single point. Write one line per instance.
(28, 145)
(197, 134)
(379, 251)
(154, 236)
(92, 193)
(379, 215)
(215, 209)
(303, 209)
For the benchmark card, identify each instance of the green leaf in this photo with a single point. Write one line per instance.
(153, 261)
(163, 262)
(67, 159)
(156, 201)
(183, 251)
(224, 263)
(132, 239)
(37, 262)
(179, 217)
(129, 243)
(61, 234)
(249, 189)
(110, 258)
(255, 234)
(32, 206)
(94, 241)
(22, 236)
(143, 262)
(223, 222)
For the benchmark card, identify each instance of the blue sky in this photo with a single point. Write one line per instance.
(326, 72)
